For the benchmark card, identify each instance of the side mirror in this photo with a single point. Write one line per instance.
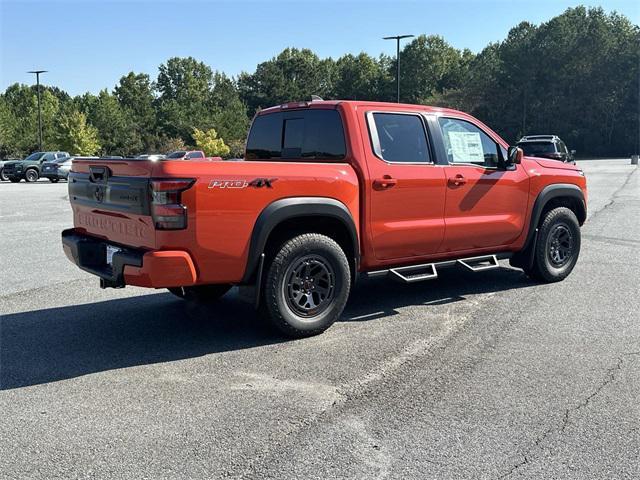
(514, 155)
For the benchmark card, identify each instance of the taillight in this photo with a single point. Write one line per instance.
(166, 208)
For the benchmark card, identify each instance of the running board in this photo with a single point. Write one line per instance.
(478, 264)
(429, 271)
(415, 273)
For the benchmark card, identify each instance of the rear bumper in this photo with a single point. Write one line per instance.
(58, 175)
(130, 266)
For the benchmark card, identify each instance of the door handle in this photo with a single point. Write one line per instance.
(384, 182)
(457, 180)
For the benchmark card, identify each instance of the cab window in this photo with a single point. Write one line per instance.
(399, 138)
(466, 144)
(314, 134)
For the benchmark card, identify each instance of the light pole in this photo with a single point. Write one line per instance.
(38, 72)
(397, 38)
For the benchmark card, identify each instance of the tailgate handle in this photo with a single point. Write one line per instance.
(98, 174)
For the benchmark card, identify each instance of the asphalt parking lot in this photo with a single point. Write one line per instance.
(484, 375)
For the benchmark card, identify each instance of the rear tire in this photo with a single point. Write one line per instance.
(31, 175)
(3, 176)
(306, 285)
(557, 246)
(14, 180)
(54, 180)
(201, 293)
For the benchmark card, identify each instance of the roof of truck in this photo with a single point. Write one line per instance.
(359, 103)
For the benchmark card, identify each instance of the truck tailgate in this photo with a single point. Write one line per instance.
(110, 199)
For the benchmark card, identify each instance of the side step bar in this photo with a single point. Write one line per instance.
(478, 264)
(429, 271)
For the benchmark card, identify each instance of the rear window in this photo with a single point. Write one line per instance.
(298, 134)
(533, 148)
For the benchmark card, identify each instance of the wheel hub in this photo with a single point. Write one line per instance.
(309, 285)
(560, 245)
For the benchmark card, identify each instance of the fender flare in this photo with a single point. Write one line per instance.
(287, 208)
(525, 256)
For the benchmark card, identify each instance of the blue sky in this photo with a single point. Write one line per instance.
(88, 45)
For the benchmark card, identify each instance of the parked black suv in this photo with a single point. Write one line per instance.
(29, 168)
(546, 146)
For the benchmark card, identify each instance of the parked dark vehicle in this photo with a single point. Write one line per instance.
(30, 167)
(546, 146)
(56, 170)
(3, 175)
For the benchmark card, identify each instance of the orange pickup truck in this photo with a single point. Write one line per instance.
(328, 190)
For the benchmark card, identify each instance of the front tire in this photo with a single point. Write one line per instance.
(557, 247)
(31, 175)
(14, 180)
(3, 176)
(54, 180)
(307, 285)
(201, 293)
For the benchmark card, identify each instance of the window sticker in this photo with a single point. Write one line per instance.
(466, 147)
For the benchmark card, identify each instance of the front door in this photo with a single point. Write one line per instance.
(486, 205)
(406, 189)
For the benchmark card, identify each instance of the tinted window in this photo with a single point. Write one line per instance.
(298, 134)
(34, 156)
(537, 148)
(195, 155)
(401, 138)
(466, 143)
(178, 154)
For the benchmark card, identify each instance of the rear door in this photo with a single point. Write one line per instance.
(486, 205)
(406, 189)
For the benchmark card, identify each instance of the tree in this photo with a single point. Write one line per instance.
(76, 136)
(209, 143)
(429, 66)
(164, 145)
(20, 119)
(185, 100)
(116, 126)
(293, 75)
(135, 93)
(360, 77)
(229, 111)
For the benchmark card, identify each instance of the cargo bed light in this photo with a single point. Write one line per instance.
(284, 106)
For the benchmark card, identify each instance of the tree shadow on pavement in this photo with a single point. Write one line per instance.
(59, 343)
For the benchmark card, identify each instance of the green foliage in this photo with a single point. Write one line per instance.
(116, 126)
(184, 85)
(209, 143)
(76, 136)
(19, 119)
(361, 77)
(164, 145)
(135, 93)
(430, 66)
(292, 75)
(576, 76)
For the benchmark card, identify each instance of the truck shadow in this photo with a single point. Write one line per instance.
(54, 344)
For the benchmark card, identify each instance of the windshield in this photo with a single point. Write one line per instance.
(35, 156)
(178, 154)
(536, 148)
